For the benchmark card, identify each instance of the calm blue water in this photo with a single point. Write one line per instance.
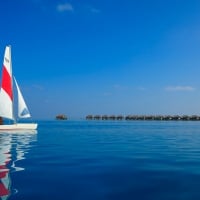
(91, 160)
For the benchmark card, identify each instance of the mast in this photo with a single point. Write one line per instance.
(12, 83)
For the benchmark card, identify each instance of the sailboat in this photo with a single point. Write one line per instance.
(7, 98)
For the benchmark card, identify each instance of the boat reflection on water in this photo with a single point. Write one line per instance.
(5, 158)
(13, 147)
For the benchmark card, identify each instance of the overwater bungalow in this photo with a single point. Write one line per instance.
(149, 117)
(128, 117)
(61, 117)
(97, 117)
(141, 117)
(185, 117)
(158, 117)
(89, 117)
(176, 117)
(104, 117)
(1, 120)
(112, 117)
(120, 117)
(194, 118)
(167, 117)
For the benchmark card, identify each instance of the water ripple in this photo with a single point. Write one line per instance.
(103, 160)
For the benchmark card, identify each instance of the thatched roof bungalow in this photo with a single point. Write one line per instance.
(194, 118)
(140, 117)
(97, 117)
(1, 120)
(120, 117)
(89, 117)
(149, 117)
(176, 117)
(104, 117)
(112, 117)
(185, 117)
(61, 117)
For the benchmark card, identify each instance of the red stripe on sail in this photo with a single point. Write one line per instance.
(7, 83)
(3, 171)
(3, 174)
(3, 190)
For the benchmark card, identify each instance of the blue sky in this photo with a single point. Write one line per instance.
(103, 56)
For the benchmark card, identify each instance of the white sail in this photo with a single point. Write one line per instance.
(23, 111)
(6, 98)
(6, 92)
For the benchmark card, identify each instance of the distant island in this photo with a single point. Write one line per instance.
(145, 117)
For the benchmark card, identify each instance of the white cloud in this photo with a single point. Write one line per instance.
(64, 7)
(180, 88)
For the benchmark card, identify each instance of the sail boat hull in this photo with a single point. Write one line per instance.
(19, 126)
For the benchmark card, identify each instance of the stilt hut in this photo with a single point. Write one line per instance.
(119, 117)
(89, 117)
(1, 121)
(97, 117)
(104, 117)
(112, 117)
(61, 117)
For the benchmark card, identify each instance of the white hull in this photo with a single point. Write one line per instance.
(19, 126)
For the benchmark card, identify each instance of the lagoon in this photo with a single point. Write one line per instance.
(107, 160)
